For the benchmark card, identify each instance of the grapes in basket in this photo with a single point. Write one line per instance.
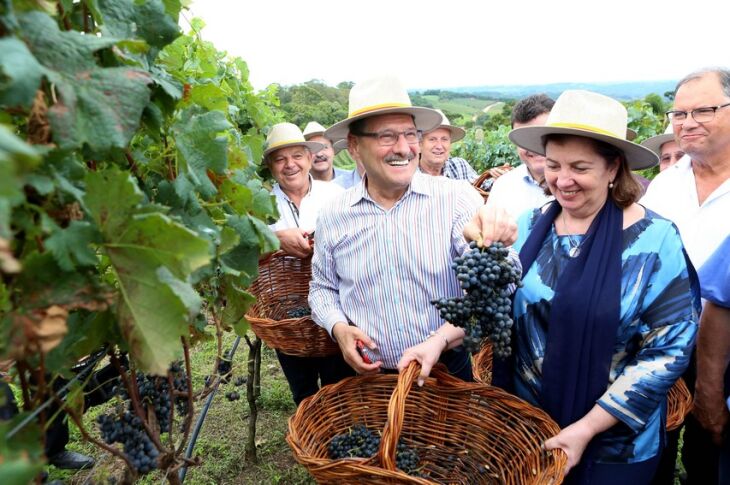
(299, 312)
(361, 442)
(487, 277)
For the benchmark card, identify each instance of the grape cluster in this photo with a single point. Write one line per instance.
(233, 396)
(361, 442)
(299, 312)
(155, 392)
(224, 368)
(486, 276)
(240, 380)
(127, 429)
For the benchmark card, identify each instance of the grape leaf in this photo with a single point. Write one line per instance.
(72, 246)
(147, 20)
(202, 146)
(22, 456)
(238, 302)
(20, 74)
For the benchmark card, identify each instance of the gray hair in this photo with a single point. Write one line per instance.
(722, 74)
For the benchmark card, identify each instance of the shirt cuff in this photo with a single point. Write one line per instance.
(333, 317)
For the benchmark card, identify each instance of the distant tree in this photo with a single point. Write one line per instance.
(669, 95)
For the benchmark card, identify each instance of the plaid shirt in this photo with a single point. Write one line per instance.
(459, 169)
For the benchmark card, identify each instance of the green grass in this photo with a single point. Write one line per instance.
(221, 442)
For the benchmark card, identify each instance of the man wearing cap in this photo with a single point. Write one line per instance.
(300, 199)
(322, 163)
(436, 150)
(666, 147)
(521, 189)
(384, 249)
(695, 194)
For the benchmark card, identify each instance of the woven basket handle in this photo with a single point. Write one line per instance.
(396, 410)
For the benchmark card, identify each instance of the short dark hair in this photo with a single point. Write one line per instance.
(531, 107)
(722, 74)
(626, 190)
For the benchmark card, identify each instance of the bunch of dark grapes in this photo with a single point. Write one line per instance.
(487, 276)
(224, 368)
(299, 312)
(233, 396)
(361, 442)
(127, 429)
(154, 392)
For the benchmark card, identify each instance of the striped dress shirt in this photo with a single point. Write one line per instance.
(379, 269)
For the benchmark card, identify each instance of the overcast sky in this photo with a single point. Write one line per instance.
(454, 43)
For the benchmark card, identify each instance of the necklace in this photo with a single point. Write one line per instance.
(574, 250)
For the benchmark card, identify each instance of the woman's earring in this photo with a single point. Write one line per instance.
(610, 185)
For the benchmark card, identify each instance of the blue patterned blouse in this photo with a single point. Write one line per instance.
(655, 336)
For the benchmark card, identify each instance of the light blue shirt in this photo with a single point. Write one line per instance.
(380, 268)
(348, 178)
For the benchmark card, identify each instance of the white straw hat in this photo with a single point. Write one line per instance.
(456, 132)
(313, 129)
(378, 96)
(284, 135)
(340, 145)
(593, 115)
(655, 142)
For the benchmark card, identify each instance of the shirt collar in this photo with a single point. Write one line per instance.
(419, 185)
(279, 192)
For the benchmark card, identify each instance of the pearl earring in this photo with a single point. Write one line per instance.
(610, 185)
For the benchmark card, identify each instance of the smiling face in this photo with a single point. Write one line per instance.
(577, 175)
(670, 154)
(322, 160)
(290, 167)
(435, 148)
(709, 140)
(389, 168)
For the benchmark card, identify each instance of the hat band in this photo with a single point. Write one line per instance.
(367, 109)
(286, 142)
(580, 126)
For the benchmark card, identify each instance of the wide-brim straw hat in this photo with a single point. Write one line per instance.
(456, 132)
(313, 129)
(589, 114)
(284, 135)
(340, 145)
(379, 96)
(655, 142)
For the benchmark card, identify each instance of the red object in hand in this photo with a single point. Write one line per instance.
(360, 346)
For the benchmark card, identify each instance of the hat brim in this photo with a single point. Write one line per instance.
(456, 132)
(309, 136)
(655, 142)
(426, 119)
(313, 147)
(531, 138)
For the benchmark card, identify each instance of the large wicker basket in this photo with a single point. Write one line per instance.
(464, 433)
(282, 285)
(488, 174)
(679, 399)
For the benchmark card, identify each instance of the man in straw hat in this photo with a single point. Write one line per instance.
(695, 194)
(322, 164)
(436, 156)
(521, 189)
(384, 249)
(300, 199)
(666, 147)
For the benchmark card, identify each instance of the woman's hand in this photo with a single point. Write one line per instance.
(427, 353)
(491, 224)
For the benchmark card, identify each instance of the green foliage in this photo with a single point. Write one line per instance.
(137, 200)
(314, 101)
(487, 149)
(646, 117)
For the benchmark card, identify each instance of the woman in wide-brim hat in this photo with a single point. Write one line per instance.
(605, 319)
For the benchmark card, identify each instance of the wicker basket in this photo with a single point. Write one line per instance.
(679, 404)
(283, 284)
(486, 175)
(464, 433)
(679, 399)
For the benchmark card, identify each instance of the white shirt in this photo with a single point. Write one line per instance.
(516, 191)
(320, 194)
(673, 195)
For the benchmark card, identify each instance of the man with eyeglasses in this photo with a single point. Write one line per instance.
(384, 249)
(695, 194)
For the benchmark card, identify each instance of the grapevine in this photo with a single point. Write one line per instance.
(488, 278)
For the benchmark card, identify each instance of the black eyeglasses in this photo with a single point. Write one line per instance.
(700, 115)
(388, 138)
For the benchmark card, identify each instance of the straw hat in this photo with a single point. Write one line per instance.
(456, 132)
(284, 135)
(593, 115)
(313, 129)
(340, 145)
(655, 142)
(378, 96)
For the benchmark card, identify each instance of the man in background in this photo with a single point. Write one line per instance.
(323, 162)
